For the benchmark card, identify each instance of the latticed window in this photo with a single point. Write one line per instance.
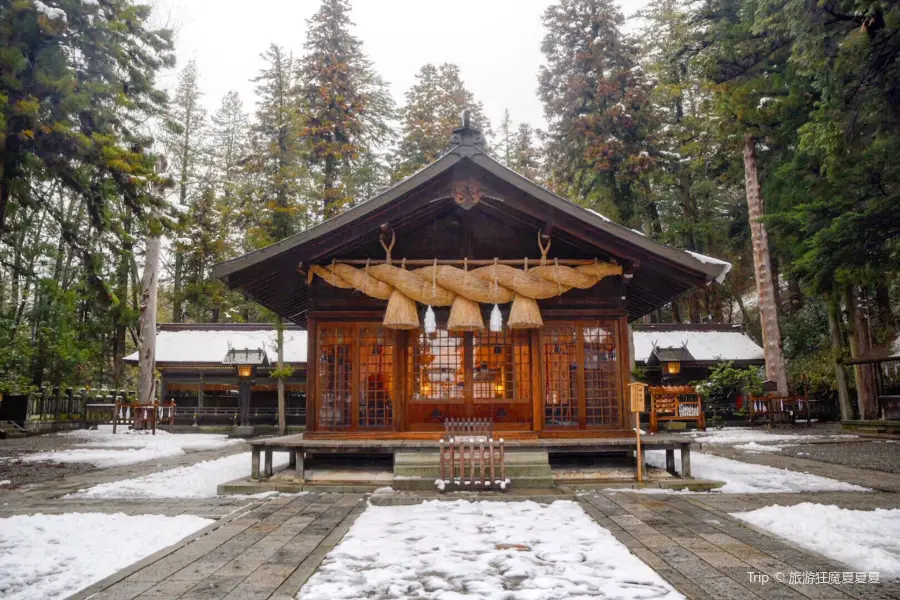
(376, 373)
(501, 374)
(601, 374)
(560, 350)
(335, 371)
(582, 386)
(438, 368)
(355, 376)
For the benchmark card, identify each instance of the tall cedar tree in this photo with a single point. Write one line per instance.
(525, 153)
(346, 105)
(276, 206)
(503, 149)
(78, 84)
(431, 113)
(185, 141)
(596, 103)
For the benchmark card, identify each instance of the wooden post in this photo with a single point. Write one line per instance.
(116, 414)
(268, 466)
(282, 419)
(640, 459)
(254, 462)
(670, 461)
(299, 467)
(686, 460)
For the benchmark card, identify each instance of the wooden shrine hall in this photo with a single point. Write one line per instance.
(467, 291)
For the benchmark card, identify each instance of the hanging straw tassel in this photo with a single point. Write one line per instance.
(401, 311)
(465, 315)
(524, 313)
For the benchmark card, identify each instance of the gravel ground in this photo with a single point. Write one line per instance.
(20, 473)
(878, 455)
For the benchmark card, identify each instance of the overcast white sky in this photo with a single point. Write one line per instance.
(496, 43)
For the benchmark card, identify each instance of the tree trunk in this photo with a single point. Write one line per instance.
(796, 294)
(282, 418)
(837, 349)
(883, 303)
(176, 287)
(866, 387)
(765, 286)
(676, 312)
(147, 328)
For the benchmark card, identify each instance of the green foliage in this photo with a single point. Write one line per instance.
(282, 372)
(346, 107)
(431, 113)
(725, 378)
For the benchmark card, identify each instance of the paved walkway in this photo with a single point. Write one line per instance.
(268, 551)
(268, 548)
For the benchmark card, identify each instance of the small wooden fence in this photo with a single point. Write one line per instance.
(774, 410)
(675, 403)
(142, 417)
(470, 457)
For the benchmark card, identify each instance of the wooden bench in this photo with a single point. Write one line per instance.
(773, 410)
(470, 457)
(675, 403)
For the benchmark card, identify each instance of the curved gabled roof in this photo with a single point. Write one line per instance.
(269, 276)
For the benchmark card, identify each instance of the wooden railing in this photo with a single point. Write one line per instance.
(69, 404)
(774, 410)
(470, 457)
(675, 403)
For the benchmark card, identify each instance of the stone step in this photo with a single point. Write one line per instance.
(525, 468)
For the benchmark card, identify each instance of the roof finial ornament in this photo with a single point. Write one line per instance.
(467, 135)
(466, 118)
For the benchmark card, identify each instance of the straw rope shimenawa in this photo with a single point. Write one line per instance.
(461, 289)
(442, 285)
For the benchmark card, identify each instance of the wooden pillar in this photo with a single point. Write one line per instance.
(299, 467)
(254, 462)
(244, 399)
(268, 465)
(670, 461)
(200, 392)
(685, 461)
(312, 363)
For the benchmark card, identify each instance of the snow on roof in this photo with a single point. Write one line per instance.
(726, 266)
(211, 345)
(704, 346)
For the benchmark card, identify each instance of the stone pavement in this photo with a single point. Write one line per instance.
(706, 554)
(268, 551)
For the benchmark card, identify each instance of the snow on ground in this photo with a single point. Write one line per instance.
(746, 478)
(867, 540)
(199, 480)
(745, 435)
(754, 448)
(102, 448)
(488, 550)
(53, 556)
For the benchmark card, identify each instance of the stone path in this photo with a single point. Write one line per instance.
(268, 551)
(706, 554)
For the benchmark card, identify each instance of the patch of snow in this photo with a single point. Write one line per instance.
(102, 448)
(448, 550)
(6, 482)
(754, 448)
(595, 213)
(211, 346)
(50, 12)
(54, 556)
(199, 480)
(764, 101)
(867, 540)
(746, 435)
(704, 345)
(726, 266)
(746, 478)
(383, 491)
